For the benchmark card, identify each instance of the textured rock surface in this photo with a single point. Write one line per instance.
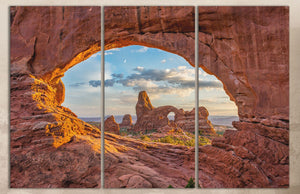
(149, 117)
(126, 122)
(111, 126)
(143, 105)
(186, 120)
(245, 47)
(50, 146)
(151, 164)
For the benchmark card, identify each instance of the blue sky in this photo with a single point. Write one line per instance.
(167, 78)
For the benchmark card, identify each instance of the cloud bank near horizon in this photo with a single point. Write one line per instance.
(156, 80)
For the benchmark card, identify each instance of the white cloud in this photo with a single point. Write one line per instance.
(108, 70)
(114, 49)
(99, 54)
(181, 67)
(163, 61)
(141, 50)
(141, 83)
(108, 53)
(139, 68)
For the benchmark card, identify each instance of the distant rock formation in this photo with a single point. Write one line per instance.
(126, 122)
(143, 106)
(153, 119)
(110, 125)
(186, 120)
(149, 118)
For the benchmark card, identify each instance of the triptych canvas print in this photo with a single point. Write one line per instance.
(193, 97)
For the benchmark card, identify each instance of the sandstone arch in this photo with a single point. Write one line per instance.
(235, 44)
(148, 117)
(222, 51)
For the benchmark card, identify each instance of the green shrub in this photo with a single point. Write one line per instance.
(191, 183)
(167, 139)
(176, 141)
(220, 132)
(203, 141)
(200, 132)
(123, 129)
(123, 133)
(145, 138)
(148, 131)
(190, 143)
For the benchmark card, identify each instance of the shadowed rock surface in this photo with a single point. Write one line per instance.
(245, 47)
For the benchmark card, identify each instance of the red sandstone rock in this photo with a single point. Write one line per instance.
(50, 146)
(143, 105)
(126, 122)
(186, 120)
(245, 47)
(155, 165)
(110, 125)
(225, 40)
(149, 118)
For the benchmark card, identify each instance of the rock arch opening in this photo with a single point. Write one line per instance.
(138, 68)
(149, 77)
(249, 53)
(171, 116)
(82, 88)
